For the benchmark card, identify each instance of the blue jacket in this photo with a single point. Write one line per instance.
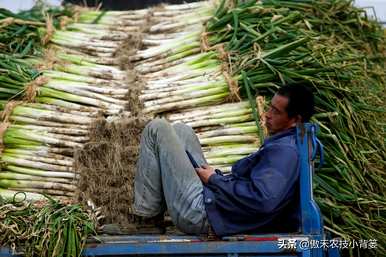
(261, 193)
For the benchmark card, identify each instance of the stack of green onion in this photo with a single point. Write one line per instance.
(175, 73)
(227, 132)
(41, 136)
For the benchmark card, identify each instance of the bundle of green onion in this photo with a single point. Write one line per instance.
(56, 229)
(227, 132)
(69, 90)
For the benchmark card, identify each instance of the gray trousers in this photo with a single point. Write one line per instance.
(166, 179)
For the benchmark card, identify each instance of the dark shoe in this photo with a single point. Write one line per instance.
(139, 225)
(150, 225)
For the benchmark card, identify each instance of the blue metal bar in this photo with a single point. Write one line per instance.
(215, 247)
(310, 212)
(7, 252)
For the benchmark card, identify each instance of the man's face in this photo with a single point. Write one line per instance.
(276, 117)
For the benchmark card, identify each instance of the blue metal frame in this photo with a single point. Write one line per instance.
(233, 246)
(311, 220)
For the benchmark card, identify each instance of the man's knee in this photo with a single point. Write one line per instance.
(158, 126)
(183, 130)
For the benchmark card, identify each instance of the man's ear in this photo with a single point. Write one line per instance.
(296, 119)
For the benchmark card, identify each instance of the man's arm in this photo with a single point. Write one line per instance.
(270, 181)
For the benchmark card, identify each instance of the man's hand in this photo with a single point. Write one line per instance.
(205, 172)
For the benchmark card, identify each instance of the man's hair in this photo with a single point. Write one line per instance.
(300, 101)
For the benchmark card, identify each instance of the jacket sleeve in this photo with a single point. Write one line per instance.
(270, 181)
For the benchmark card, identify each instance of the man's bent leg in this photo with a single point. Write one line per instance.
(163, 154)
(148, 193)
(190, 142)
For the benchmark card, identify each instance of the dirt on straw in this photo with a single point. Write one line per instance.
(128, 48)
(107, 167)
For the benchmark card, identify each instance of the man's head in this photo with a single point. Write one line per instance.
(290, 105)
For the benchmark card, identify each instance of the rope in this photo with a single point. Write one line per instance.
(233, 87)
(204, 43)
(3, 128)
(49, 60)
(32, 88)
(5, 115)
(64, 20)
(50, 29)
(10, 20)
(223, 55)
(260, 100)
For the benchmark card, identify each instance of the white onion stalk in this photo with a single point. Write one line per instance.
(54, 130)
(86, 86)
(229, 139)
(38, 152)
(41, 173)
(50, 115)
(225, 147)
(42, 137)
(211, 122)
(180, 90)
(159, 64)
(85, 59)
(18, 196)
(166, 26)
(186, 6)
(33, 121)
(100, 29)
(241, 124)
(228, 131)
(17, 176)
(11, 183)
(49, 92)
(110, 14)
(42, 159)
(177, 69)
(133, 19)
(55, 74)
(221, 152)
(65, 151)
(187, 95)
(186, 103)
(230, 114)
(33, 164)
(68, 105)
(51, 107)
(101, 45)
(97, 48)
(173, 35)
(174, 46)
(93, 71)
(211, 75)
(148, 66)
(163, 83)
(80, 36)
(80, 90)
(82, 51)
(56, 192)
(225, 160)
(178, 15)
(209, 72)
